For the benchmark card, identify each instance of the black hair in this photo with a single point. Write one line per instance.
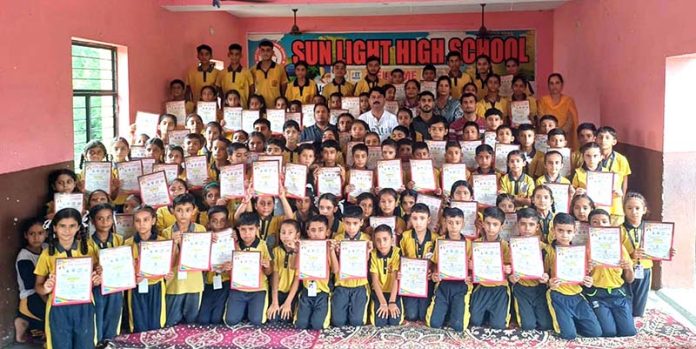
(607, 129)
(377, 89)
(461, 183)
(291, 124)
(204, 47)
(177, 82)
(419, 146)
(484, 148)
(420, 208)
(371, 59)
(81, 235)
(318, 218)
(451, 212)
(556, 131)
(218, 209)
(234, 46)
(563, 218)
(26, 224)
(527, 212)
(383, 228)
(96, 209)
(587, 126)
(552, 152)
(548, 117)
(388, 142)
(597, 212)
(526, 127)
(558, 75)
(266, 43)
(493, 111)
(352, 211)
(397, 70)
(248, 218)
(453, 54)
(426, 93)
(495, 213)
(183, 199)
(53, 177)
(330, 144)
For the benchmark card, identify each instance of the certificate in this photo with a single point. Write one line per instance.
(343, 139)
(490, 138)
(450, 174)
(509, 228)
(506, 85)
(246, 270)
(414, 278)
(146, 123)
(600, 187)
(388, 221)
(565, 153)
(171, 171)
(400, 92)
(437, 152)
(313, 260)
(147, 163)
(391, 106)
(155, 258)
(430, 86)
(501, 153)
(605, 246)
(658, 239)
(125, 226)
(207, 111)
(73, 281)
(232, 181)
(374, 154)
(527, 262)
(195, 251)
(308, 115)
(232, 117)
(349, 153)
(98, 176)
(434, 203)
(485, 189)
(352, 104)
(295, 180)
(362, 182)
(422, 175)
(221, 249)
(71, 200)
(178, 109)
(334, 114)
(296, 117)
(118, 272)
(470, 217)
(277, 119)
(248, 118)
(451, 259)
(389, 174)
(329, 181)
(570, 264)
(277, 158)
(176, 137)
(137, 152)
(487, 262)
(128, 173)
(154, 190)
(582, 233)
(561, 196)
(265, 178)
(196, 170)
(541, 143)
(519, 111)
(353, 260)
(469, 153)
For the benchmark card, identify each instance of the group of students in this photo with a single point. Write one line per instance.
(604, 305)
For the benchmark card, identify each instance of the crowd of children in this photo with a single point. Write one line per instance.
(463, 109)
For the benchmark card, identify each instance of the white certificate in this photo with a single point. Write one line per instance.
(195, 251)
(128, 173)
(232, 117)
(388, 221)
(177, 137)
(248, 118)
(501, 153)
(451, 259)
(232, 181)
(506, 85)
(353, 260)
(313, 260)
(434, 203)
(470, 217)
(509, 228)
(414, 278)
(221, 249)
(400, 92)
(658, 238)
(98, 176)
(178, 109)
(527, 262)
(308, 115)
(485, 189)
(171, 171)
(570, 264)
(73, 281)
(561, 196)
(118, 271)
(155, 258)
(422, 175)
(582, 233)
(374, 154)
(362, 182)
(469, 153)
(605, 246)
(246, 270)
(490, 138)
(329, 181)
(437, 151)
(487, 260)
(391, 106)
(138, 152)
(265, 178)
(154, 190)
(148, 164)
(207, 111)
(343, 139)
(296, 117)
(389, 174)
(334, 114)
(295, 180)
(196, 170)
(565, 153)
(349, 153)
(277, 119)
(146, 123)
(541, 143)
(600, 187)
(68, 200)
(124, 224)
(520, 112)
(430, 86)
(450, 174)
(352, 104)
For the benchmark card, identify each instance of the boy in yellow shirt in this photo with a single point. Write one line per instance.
(236, 77)
(614, 162)
(204, 74)
(339, 84)
(302, 89)
(386, 307)
(215, 294)
(371, 79)
(270, 78)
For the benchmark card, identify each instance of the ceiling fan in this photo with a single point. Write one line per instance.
(217, 3)
(295, 30)
(483, 32)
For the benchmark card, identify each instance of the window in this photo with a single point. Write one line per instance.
(94, 94)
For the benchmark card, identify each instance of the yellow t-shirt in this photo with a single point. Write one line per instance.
(303, 94)
(631, 238)
(46, 264)
(506, 260)
(618, 164)
(545, 179)
(458, 84)
(198, 77)
(384, 266)
(345, 88)
(608, 277)
(285, 270)
(113, 240)
(135, 248)
(267, 83)
(517, 186)
(194, 280)
(503, 104)
(258, 246)
(360, 236)
(165, 218)
(412, 248)
(565, 111)
(365, 85)
(550, 266)
(238, 79)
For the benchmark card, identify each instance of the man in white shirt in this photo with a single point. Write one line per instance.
(380, 121)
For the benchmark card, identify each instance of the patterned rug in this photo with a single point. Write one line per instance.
(655, 330)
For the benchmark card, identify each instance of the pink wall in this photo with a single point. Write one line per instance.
(613, 59)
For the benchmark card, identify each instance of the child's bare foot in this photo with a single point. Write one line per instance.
(21, 326)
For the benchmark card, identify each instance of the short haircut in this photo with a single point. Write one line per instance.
(359, 147)
(484, 148)
(377, 89)
(493, 111)
(306, 146)
(339, 62)
(389, 143)
(352, 211)
(330, 144)
(437, 119)
(597, 212)
(426, 93)
(548, 117)
(503, 127)
(266, 43)
(556, 132)
(526, 127)
(607, 129)
(371, 59)
(419, 146)
(235, 47)
(467, 95)
(218, 209)
(236, 146)
(454, 54)
(291, 124)
(405, 142)
(248, 218)
(301, 64)
(361, 123)
(429, 67)
(204, 47)
(552, 152)
(587, 126)
(420, 208)
(563, 218)
(176, 82)
(403, 129)
(452, 212)
(383, 228)
(263, 122)
(528, 213)
(318, 218)
(183, 199)
(397, 70)
(587, 146)
(277, 141)
(495, 213)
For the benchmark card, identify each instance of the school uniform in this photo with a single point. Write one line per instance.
(345, 88)
(502, 104)
(481, 88)
(458, 83)
(270, 228)
(384, 266)
(415, 308)
(284, 268)
(146, 311)
(251, 303)
(365, 85)
(610, 301)
(350, 297)
(618, 164)
(522, 185)
(198, 77)
(108, 308)
(531, 308)
(268, 82)
(570, 312)
(314, 305)
(32, 307)
(238, 79)
(491, 300)
(450, 303)
(479, 171)
(165, 217)
(545, 229)
(536, 167)
(304, 93)
(213, 300)
(545, 179)
(631, 239)
(67, 326)
(183, 292)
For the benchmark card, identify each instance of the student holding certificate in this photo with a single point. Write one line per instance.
(264, 206)
(284, 285)
(386, 308)
(423, 177)
(216, 282)
(515, 182)
(593, 163)
(67, 239)
(570, 311)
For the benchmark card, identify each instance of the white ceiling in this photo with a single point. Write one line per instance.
(377, 8)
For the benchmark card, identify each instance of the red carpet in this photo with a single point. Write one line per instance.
(655, 330)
